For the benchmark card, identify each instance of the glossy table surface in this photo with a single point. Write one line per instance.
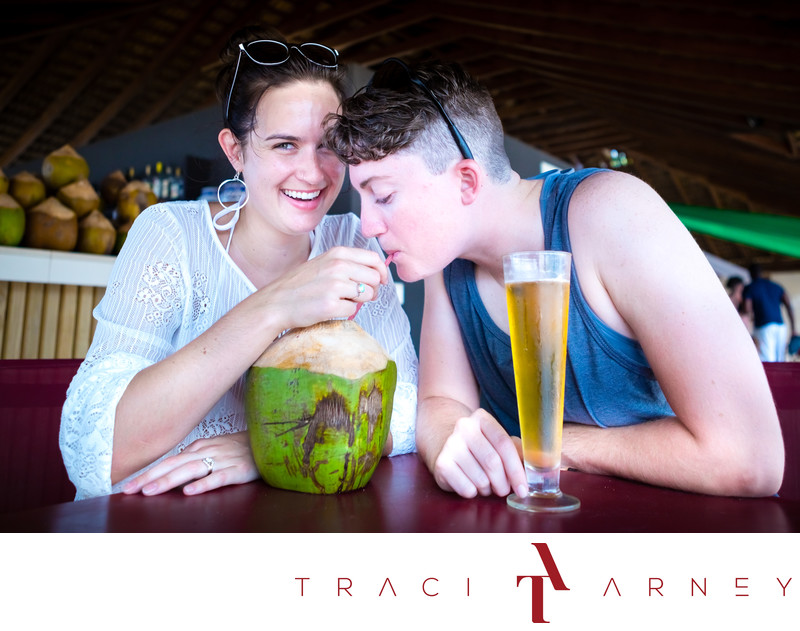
(403, 497)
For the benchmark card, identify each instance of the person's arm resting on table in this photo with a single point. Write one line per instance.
(639, 263)
(464, 447)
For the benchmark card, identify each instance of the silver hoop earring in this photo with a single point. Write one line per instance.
(237, 183)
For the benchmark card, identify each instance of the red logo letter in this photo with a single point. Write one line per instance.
(305, 578)
(537, 583)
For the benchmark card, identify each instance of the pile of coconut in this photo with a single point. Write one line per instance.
(61, 210)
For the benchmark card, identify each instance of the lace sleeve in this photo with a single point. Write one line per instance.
(136, 322)
(385, 319)
(87, 421)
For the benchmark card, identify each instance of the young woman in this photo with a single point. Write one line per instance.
(201, 289)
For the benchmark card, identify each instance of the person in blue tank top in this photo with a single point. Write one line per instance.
(663, 381)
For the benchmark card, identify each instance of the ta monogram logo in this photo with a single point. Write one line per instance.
(537, 583)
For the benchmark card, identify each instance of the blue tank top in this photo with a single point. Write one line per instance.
(609, 382)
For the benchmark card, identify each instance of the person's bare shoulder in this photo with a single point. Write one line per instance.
(623, 234)
(615, 196)
(617, 217)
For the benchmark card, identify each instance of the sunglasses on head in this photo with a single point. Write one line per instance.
(394, 74)
(270, 52)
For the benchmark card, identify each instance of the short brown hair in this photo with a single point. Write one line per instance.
(375, 123)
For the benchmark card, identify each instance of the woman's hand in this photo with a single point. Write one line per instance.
(328, 286)
(229, 456)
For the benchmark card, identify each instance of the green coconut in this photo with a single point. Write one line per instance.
(51, 226)
(27, 189)
(318, 405)
(133, 198)
(122, 234)
(64, 166)
(12, 220)
(96, 234)
(111, 186)
(80, 196)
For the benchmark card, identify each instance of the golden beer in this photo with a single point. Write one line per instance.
(537, 313)
(537, 297)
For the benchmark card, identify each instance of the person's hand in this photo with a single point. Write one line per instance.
(328, 286)
(479, 457)
(229, 455)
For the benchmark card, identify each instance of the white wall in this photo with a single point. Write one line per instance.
(790, 281)
(527, 160)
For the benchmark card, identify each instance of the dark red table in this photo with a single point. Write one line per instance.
(402, 497)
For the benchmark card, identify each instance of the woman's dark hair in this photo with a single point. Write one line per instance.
(253, 80)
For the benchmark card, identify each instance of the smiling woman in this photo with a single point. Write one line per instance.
(201, 289)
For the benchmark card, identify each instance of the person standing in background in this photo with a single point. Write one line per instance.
(735, 286)
(763, 299)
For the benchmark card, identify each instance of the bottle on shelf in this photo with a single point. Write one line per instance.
(156, 182)
(166, 184)
(176, 185)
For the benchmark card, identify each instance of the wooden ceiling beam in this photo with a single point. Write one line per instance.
(731, 96)
(690, 114)
(135, 87)
(655, 59)
(641, 115)
(33, 64)
(31, 20)
(207, 62)
(298, 25)
(775, 9)
(554, 133)
(586, 20)
(58, 105)
(502, 89)
(345, 37)
(744, 103)
(570, 146)
(523, 119)
(536, 113)
(771, 181)
(406, 47)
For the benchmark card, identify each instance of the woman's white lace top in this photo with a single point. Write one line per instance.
(171, 282)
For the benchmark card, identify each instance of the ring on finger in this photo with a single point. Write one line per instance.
(209, 462)
(361, 288)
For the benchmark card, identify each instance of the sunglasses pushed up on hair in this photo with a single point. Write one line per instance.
(270, 52)
(393, 74)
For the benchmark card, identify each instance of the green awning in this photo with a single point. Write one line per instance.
(776, 233)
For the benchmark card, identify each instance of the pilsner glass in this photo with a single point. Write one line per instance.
(537, 294)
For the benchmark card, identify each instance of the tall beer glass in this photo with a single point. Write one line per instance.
(537, 293)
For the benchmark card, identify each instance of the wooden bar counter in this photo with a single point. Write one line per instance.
(46, 302)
